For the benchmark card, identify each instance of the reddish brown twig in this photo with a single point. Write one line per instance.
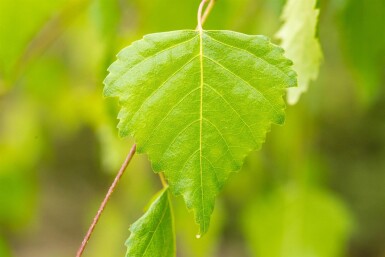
(105, 200)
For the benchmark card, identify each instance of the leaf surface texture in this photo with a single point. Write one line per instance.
(153, 234)
(197, 103)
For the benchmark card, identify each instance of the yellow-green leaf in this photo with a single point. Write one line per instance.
(197, 102)
(153, 234)
(298, 35)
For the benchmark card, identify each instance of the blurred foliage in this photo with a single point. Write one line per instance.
(59, 148)
(365, 46)
(19, 21)
(291, 221)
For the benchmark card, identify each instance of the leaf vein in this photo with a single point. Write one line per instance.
(219, 132)
(236, 112)
(244, 81)
(251, 53)
(164, 83)
(156, 228)
(173, 141)
(168, 113)
(149, 57)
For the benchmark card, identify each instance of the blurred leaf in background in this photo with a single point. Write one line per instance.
(297, 221)
(299, 39)
(28, 17)
(363, 36)
(17, 184)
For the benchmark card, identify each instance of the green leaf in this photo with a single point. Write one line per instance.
(298, 35)
(198, 103)
(153, 234)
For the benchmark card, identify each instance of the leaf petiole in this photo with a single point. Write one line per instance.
(203, 18)
(163, 180)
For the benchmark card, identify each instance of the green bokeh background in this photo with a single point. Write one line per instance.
(316, 189)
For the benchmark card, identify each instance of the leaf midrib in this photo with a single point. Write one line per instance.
(201, 123)
(156, 228)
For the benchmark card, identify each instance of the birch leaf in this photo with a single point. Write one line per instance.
(153, 234)
(197, 102)
(298, 35)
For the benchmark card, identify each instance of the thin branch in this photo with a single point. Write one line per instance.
(202, 18)
(208, 11)
(163, 179)
(106, 198)
(200, 10)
